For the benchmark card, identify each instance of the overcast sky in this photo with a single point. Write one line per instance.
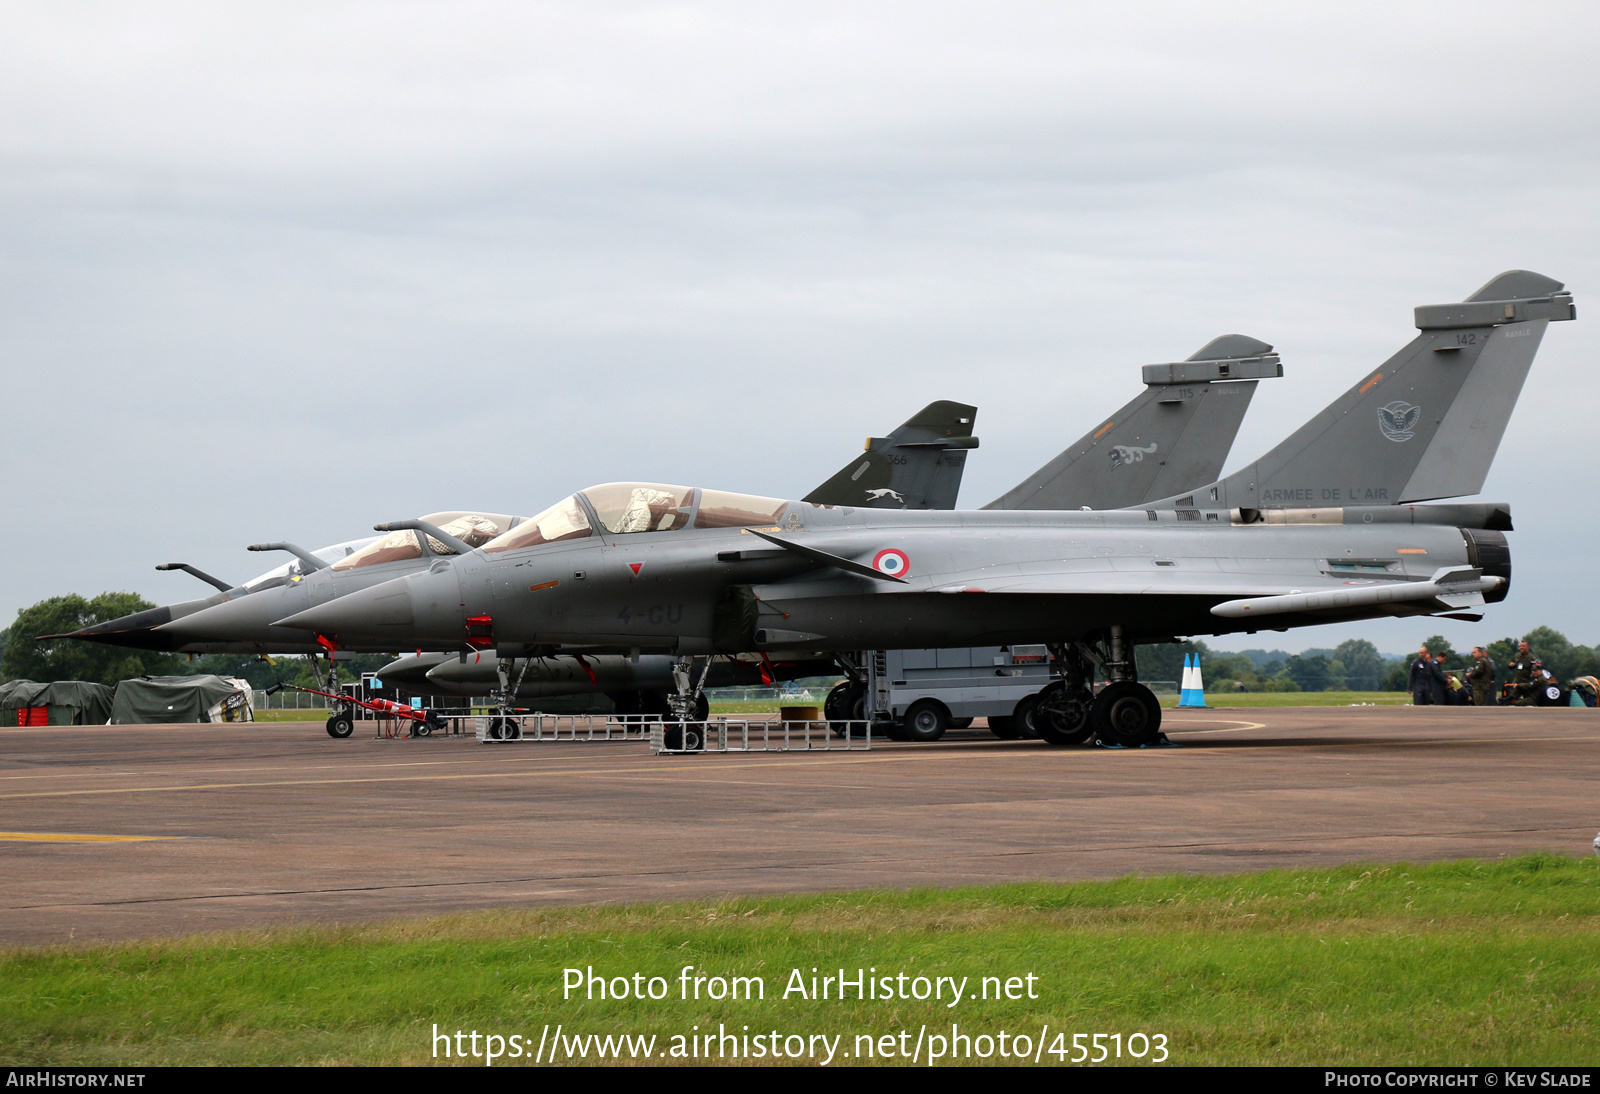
(282, 271)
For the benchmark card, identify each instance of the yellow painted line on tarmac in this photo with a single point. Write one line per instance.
(74, 837)
(1239, 726)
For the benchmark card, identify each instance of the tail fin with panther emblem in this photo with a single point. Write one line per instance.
(918, 466)
(1173, 436)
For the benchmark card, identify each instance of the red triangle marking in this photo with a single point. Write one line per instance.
(635, 566)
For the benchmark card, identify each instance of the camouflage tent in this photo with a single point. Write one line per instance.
(59, 703)
(151, 699)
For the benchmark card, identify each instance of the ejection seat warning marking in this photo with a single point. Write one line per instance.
(543, 585)
(74, 837)
(635, 567)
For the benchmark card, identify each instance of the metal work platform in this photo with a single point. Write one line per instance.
(664, 737)
(581, 728)
(725, 735)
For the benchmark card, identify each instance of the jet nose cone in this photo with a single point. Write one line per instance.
(385, 607)
(411, 670)
(136, 631)
(477, 668)
(419, 608)
(237, 620)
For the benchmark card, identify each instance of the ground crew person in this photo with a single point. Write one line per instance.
(1448, 688)
(1522, 687)
(1481, 677)
(1419, 679)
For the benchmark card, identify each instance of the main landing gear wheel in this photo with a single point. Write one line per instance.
(1062, 715)
(1126, 713)
(926, 721)
(340, 724)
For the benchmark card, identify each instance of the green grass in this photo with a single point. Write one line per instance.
(1298, 698)
(292, 715)
(1453, 963)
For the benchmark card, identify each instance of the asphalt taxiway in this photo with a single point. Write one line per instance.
(138, 831)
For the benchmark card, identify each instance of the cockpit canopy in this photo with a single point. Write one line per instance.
(628, 507)
(474, 529)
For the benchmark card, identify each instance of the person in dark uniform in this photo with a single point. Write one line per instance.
(1544, 682)
(1523, 692)
(1481, 678)
(1449, 688)
(1419, 679)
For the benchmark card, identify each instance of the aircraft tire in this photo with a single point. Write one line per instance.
(687, 736)
(845, 703)
(1060, 717)
(1004, 726)
(835, 708)
(702, 707)
(1126, 713)
(504, 729)
(926, 721)
(340, 724)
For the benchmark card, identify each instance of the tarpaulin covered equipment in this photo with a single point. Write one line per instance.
(151, 699)
(59, 703)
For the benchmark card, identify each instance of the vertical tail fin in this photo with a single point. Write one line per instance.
(918, 466)
(1425, 424)
(1173, 436)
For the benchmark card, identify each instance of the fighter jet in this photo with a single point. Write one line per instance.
(1185, 422)
(697, 572)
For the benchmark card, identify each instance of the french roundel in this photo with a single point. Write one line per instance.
(892, 562)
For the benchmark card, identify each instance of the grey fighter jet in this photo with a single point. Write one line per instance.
(924, 468)
(689, 571)
(917, 466)
(1176, 432)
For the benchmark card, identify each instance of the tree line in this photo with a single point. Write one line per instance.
(1356, 664)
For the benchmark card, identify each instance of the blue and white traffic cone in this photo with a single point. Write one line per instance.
(1192, 692)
